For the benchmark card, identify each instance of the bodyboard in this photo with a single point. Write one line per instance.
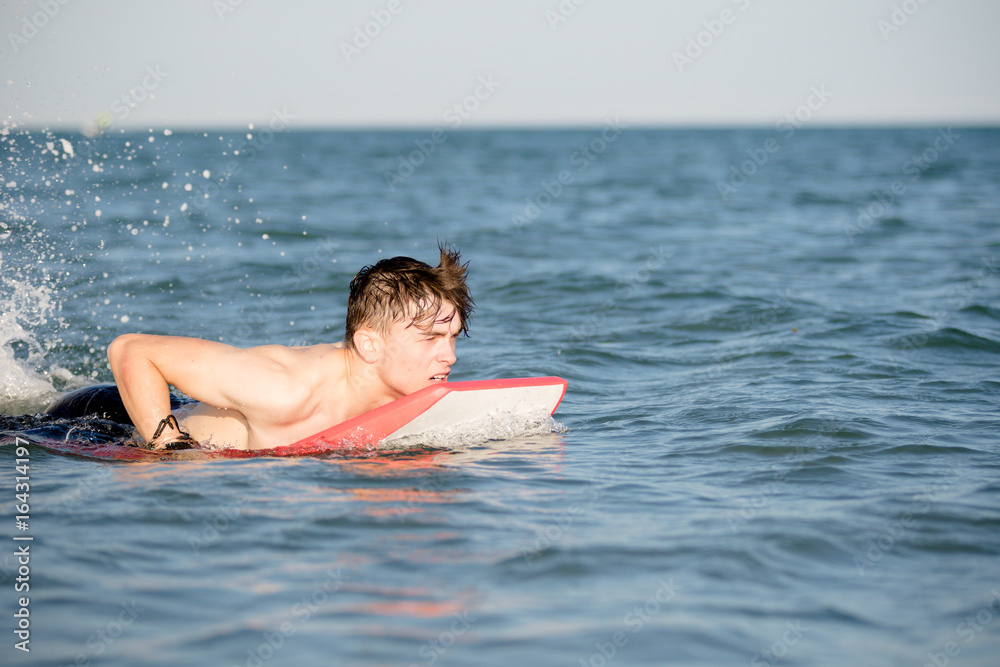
(446, 405)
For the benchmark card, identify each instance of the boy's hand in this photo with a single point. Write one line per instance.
(169, 436)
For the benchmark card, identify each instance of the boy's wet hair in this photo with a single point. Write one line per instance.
(402, 288)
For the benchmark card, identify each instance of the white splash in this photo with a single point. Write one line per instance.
(24, 386)
(29, 307)
(490, 427)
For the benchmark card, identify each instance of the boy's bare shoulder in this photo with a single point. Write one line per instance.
(297, 353)
(316, 363)
(293, 370)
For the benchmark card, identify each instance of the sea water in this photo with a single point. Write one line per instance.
(779, 444)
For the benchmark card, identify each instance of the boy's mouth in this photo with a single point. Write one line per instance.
(443, 377)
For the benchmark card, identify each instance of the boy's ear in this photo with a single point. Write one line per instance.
(368, 344)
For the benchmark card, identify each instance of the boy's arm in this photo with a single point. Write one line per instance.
(219, 375)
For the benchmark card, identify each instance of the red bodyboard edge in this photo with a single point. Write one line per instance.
(375, 425)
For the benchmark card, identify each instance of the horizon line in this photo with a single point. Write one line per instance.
(187, 128)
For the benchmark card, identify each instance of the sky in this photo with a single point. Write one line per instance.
(498, 63)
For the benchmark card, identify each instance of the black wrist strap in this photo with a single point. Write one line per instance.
(182, 440)
(167, 422)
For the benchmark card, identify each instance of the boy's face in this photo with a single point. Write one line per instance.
(416, 355)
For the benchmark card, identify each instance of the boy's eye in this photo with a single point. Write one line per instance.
(432, 335)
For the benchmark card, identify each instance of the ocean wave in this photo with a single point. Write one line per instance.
(947, 338)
